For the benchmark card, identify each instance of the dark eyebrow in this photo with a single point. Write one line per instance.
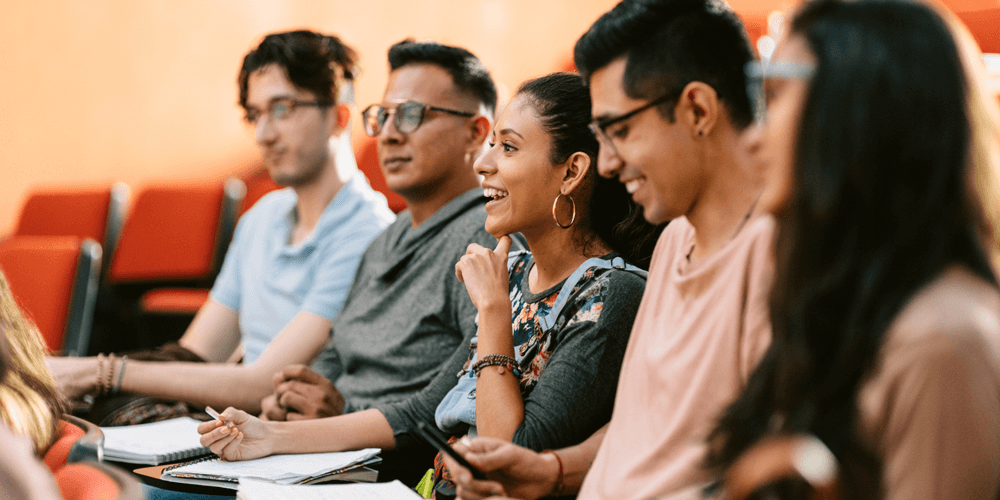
(511, 131)
(271, 101)
(604, 117)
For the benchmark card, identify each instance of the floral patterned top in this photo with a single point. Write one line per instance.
(570, 373)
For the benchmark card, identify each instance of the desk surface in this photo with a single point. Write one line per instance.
(151, 476)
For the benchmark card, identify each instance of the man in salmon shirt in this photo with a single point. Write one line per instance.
(669, 105)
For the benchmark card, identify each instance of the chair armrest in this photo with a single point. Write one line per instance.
(88, 447)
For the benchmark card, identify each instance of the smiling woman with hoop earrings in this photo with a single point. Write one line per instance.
(554, 321)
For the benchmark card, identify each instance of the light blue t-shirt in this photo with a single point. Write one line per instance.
(267, 281)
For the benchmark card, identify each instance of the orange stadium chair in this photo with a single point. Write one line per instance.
(177, 233)
(187, 301)
(97, 481)
(79, 440)
(75, 459)
(54, 280)
(97, 214)
(175, 236)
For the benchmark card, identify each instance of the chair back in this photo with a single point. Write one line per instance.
(54, 280)
(784, 457)
(177, 233)
(78, 440)
(91, 480)
(97, 214)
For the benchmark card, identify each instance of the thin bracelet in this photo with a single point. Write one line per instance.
(557, 489)
(121, 375)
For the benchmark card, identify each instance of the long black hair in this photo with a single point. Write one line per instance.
(880, 206)
(562, 102)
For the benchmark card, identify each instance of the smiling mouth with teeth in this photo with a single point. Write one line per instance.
(496, 194)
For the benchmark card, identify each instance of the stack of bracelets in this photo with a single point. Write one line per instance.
(497, 360)
(107, 382)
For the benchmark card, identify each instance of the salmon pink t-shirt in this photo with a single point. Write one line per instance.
(701, 328)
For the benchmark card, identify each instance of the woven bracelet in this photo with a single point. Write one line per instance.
(505, 361)
(100, 373)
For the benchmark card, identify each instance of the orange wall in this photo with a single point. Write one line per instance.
(102, 91)
(97, 91)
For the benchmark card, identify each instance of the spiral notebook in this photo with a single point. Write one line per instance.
(278, 469)
(155, 443)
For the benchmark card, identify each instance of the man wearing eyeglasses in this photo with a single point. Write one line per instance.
(404, 329)
(669, 105)
(293, 255)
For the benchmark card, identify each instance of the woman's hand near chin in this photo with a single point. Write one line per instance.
(484, 273)
(238, 436)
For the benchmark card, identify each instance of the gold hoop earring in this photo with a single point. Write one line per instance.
(556, 217)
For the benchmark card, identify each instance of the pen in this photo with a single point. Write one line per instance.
(215, 415)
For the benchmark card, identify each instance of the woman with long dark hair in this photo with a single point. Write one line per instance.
(885, 311)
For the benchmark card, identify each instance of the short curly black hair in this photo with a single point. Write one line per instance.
(310, 59)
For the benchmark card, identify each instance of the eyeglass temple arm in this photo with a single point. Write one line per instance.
(451, 111)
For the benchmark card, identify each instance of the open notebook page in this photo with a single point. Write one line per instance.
(153, 443)
(279, 468)
(260, 490)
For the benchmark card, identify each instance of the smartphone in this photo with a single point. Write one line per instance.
(431, 436)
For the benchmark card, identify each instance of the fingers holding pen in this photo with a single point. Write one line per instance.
(225, 425)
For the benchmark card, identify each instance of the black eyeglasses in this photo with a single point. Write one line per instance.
(406, 116)
(600, 127)
(279, 109)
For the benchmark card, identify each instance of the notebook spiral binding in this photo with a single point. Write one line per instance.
(192, 462)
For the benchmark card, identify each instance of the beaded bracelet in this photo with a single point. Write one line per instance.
(100, 373)
(106, 373)
(505, 361)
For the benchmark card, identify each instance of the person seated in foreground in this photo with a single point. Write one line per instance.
(886, 311)
(22, 474)
(669, 106)
(402, 334)
(30, 405)
(293, 255)
(538, 387)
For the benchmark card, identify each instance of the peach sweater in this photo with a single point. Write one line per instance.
(932, 408)
(701, 328)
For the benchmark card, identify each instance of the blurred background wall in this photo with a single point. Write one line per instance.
(98, 91)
